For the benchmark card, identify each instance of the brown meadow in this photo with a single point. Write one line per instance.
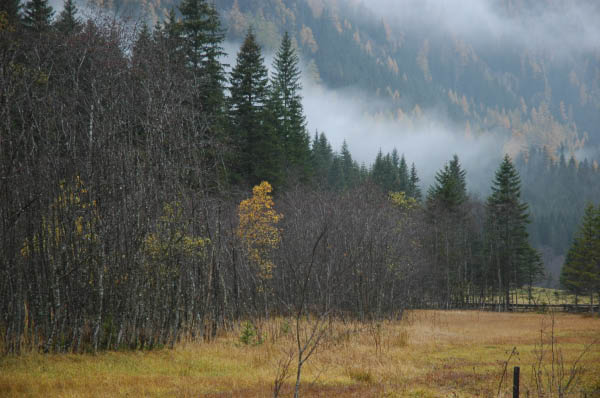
(427, 354)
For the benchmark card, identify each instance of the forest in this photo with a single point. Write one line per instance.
(148, 195)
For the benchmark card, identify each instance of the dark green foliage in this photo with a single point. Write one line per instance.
(391, 173)
(202, 37)
(37, 15)
(288, 115)
(413, 184)
(449, 190)
(450, 243)
(557, 193)
(321, 157)
(506, 230)
(258, 157)
(12, 9)
(581, 271)
(67, 21)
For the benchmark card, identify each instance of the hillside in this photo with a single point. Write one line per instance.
(527, 72)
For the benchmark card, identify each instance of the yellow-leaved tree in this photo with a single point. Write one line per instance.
(66, 248)
(404, 202)
(69, 230)
(171, 244)
(258, 228)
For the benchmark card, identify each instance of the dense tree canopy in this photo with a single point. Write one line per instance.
(125, 213)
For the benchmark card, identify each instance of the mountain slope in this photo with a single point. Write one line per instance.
(527, 83)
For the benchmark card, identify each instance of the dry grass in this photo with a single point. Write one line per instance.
(428, 354)
(542, 295)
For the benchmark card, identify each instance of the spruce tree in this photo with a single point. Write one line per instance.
(581, 272)
(403, 178)
(349, 167)
(202, 37)
(413, 184)
(447, 217)
(321, 157)
(449, 190)
(506, 230)
(67, 21)
(12, 9)
(259, 148)
(38, 15)
(286, 108)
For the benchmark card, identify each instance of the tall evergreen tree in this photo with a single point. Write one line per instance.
(259, 151)
(506, 230)
(12, 9)
(413, 184)
(350, 168)
(38, 15)
(581, 272)
(447, 216)
(287, 110)
(67, 21)
(402, 176)
(449, 190)
(202, 36)
(321, 157)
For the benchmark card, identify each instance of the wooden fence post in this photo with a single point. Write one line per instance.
(516, 382)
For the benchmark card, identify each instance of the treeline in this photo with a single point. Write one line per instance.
(581, 271)
(557, 188)
(125, 161)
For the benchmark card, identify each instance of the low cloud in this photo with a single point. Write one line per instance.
(429, 141)
(555, 27)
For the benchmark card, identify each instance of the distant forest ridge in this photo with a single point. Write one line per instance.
(544, 96)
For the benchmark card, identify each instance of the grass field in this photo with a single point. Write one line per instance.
(427, 354)
(541, 295)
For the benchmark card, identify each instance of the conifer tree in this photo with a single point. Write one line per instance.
(170, 34)
(202, 37)
(259, 148)
(349, 167)
(403, 179)
(449, 190)
(37, 15)
(506, 230)
(67, 21)
(413, 184)
(321, 157)
(12, 9)
(581, 272)
(447, 216)
(287, 110)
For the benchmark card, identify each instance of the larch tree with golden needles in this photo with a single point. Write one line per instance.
(258, 228)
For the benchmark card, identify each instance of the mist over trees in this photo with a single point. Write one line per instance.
(127, 221)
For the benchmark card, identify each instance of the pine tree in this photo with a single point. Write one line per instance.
(447, 217)
(449, 190)
(350, 168)
(170, 34)
(287, 110)
(202, 37)
(259, 146)
(403, 178)
(413, 184)
(38, 15)
(506, 230)
(321, 157)
(383, 172)
(12, 9)
(67, 21)
(581, 272)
